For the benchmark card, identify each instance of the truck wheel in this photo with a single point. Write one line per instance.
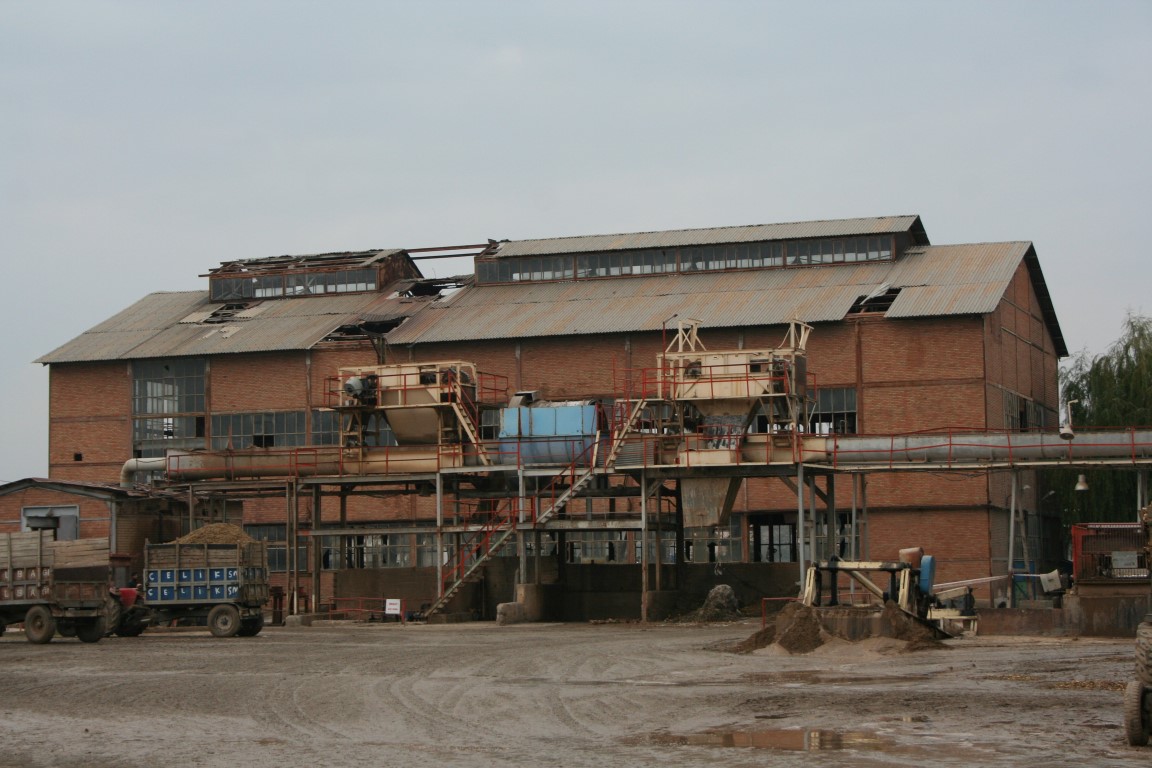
(1144, 653)
(91, 631)
(65, 629)
(39, 625)
(1135, 718)
(224, 621)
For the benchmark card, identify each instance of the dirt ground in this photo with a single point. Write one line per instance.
(558, 695)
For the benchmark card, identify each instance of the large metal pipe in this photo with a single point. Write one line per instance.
(969, 449)
(1004, 448)
(132, 466)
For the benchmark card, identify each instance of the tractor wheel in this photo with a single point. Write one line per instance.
(130, 627)
(1135, 716)
(91, 631)
(39, 625)
(251, 626)
(1144, 653)
(224, 621)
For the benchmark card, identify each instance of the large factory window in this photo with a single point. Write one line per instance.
(277, 538)
(834, 412)
(168, 386)
(773, 540)
(167, 405)
(1023, 413)
(257, 430)
(715, 544)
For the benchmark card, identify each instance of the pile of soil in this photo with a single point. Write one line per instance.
(798, 629)
(216, 533)
(904, 627)
(755, 642)
(720, 605)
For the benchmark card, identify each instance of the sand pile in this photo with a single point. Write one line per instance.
(216, 533)
(798, 630)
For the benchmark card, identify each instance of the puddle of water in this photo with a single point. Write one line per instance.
(783, 739)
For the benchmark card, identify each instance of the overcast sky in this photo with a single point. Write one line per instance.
(143, 143)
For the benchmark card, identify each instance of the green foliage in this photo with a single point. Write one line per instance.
(1113, 389)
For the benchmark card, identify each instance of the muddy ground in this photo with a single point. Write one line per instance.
(558, 695)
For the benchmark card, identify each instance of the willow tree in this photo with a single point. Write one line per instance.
(1113, 389)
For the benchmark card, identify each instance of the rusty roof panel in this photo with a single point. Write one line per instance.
(935, 280)
(712, 236)
(954, 279)
(629, 304)
(165, 325)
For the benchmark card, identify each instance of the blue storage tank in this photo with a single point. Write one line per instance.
(548, 433)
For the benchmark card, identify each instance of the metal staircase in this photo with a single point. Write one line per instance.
(483, 543)
(622, 432)
(474, 551)
(467, 414)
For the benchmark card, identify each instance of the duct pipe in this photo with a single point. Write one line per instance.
(132, 466)
(1000, 447)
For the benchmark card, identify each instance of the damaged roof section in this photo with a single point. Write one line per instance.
(335, 260)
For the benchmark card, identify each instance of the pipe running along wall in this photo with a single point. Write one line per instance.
(975, 449)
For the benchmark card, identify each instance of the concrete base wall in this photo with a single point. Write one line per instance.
(1106, 615)
(1024, 621)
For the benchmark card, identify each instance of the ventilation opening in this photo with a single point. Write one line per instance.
(874, 303)
(226, 312)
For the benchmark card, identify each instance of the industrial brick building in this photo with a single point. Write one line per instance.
(906, 337)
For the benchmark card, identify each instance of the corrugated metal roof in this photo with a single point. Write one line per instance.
(934, 280)
(156, 326)
(712, 236)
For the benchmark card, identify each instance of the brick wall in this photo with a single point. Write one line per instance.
(89, 430)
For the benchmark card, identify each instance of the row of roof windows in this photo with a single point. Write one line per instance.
(275, 286)
(705, 258)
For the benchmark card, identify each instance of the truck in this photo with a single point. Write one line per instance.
(1138, 692)
(224, 585)
(56, 586)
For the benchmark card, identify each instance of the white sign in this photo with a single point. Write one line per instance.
(392, 607)
(1125, 560)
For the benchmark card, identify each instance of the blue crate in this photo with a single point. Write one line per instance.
(199, 575)
(153, 594)
(233, 591)
(216, 591)
(183, 593)
(152, 577)
(216, 574)
(200, 592)
(167, 593)
(185, 575)
(168, 576)
(233, 574)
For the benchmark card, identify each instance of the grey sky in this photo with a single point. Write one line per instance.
(142, 143)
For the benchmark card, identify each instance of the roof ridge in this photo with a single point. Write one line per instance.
(712, 229)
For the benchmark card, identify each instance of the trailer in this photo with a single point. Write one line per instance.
(225, 585)
(56, 586)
